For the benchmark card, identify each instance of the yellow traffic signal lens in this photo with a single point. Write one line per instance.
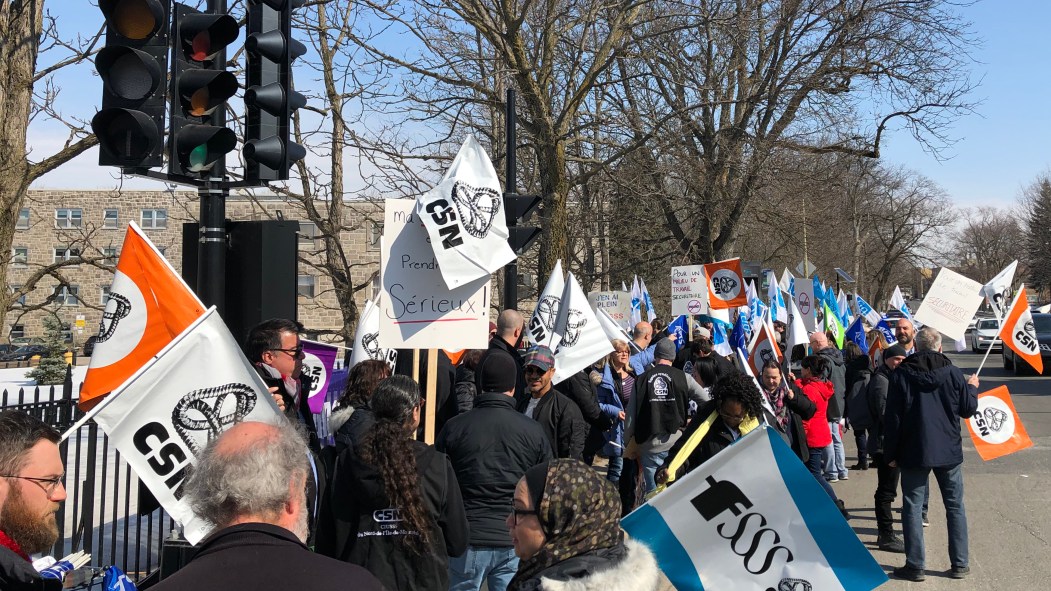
(134, 19)
(199, 103)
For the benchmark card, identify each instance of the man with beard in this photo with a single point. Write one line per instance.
(31, 488)
(251, 483)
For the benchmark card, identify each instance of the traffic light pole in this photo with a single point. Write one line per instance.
(510, 299)
(211, 254)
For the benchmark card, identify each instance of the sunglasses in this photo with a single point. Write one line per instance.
(293, 352)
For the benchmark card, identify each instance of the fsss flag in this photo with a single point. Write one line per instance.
(542, 322)
(318, 362)
(1019, 333)
(149, 305)
(464, 218)
(726, 287)
(866, 310)
(196, 389)
(753, 519)
(996, 428)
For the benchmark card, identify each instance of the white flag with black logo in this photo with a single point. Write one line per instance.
(464, 218)
(578, 334)
(194, 390)
(542, 323)
(367, 339)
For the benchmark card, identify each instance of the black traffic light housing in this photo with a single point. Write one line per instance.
(200, 88)
(518, 209)
(270, 102)
(130, 125)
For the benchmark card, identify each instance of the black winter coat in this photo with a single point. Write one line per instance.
(580, 389)
(714, 441)
(837, 374)
(360, 526)
(256, 556)
(876, 397)
(491, 447)
(18, 574)
(520, 382)
(927, 397)
(466, 388)
(561, 420)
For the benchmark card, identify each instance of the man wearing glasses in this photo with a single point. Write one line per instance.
(31, 488)
(274, 349)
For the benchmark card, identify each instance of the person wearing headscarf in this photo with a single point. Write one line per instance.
(565, 526)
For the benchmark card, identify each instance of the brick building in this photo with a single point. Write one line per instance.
(86, 228)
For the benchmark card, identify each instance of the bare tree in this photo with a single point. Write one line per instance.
(986, 240)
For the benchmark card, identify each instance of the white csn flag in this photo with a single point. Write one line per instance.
(367, 339)
(464, 218)
(579, 337)
(189, 394)
(542, 322)
(998, 291)
(898, 301)
(614, 331)
(795, 332)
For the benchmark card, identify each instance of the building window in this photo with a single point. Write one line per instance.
(109, 219)
(68, 218)
(105, 295)
(154, 219)
(375, 232)
(163, 250)
(376, 287)
(307, 233)
(18, 331)
(67, 295)
(23, 219)
(19, 256)
(305, 286)
(21, 301)
(110, 252)
(65, 254)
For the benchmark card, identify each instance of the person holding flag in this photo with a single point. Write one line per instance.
(790, 407)
(835, 458)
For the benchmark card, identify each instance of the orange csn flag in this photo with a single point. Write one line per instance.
(149, 305)
(764, 347)
(725, 284)
(1019, 334)
(996, 428)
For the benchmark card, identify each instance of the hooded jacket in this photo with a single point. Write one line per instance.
(818, 433)
(18, 574)
(628, 567)
(360, 526)
(837, 375)
(926, 399)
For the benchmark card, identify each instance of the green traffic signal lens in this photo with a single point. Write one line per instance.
(198, 158)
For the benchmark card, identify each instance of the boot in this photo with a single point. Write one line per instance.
(842, 509)
(890, 543)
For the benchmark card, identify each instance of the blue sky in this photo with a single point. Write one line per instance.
(999, 149)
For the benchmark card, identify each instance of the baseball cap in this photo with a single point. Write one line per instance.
(665, 350)
(498, 372)
(703, 333)
(540, 358)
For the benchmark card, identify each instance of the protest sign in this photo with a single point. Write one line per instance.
(318, 361)
(753, 518)
(417, 309)
(996, 428)
(950, 304)
(464, 218)
(689, 290)
(163, 417)
(806, 304)
(542, 322)
(616, 304)
(726, 288)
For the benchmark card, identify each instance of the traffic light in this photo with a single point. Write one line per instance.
(132, 65)
(200, 87)
(270, 101)
(518, 209)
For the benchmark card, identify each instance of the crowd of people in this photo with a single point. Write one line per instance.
(508, 495)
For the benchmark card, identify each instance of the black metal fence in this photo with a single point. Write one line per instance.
(104, 513)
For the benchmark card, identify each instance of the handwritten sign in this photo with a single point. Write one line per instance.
(418, 310)
(950, 304)
(616, 304)
(689, 290)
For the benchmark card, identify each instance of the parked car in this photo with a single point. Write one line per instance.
(1042, 323)
(6, 348)
(983, 335)
(24, 353)
(89, 345)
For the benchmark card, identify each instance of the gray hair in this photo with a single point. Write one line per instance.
(928, 339)
(252, 481)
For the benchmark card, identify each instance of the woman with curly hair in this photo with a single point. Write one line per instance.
(351, 417)
(395, 506)
(736, 408)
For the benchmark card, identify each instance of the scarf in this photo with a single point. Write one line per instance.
(777, 402)
(579, 512)
(12, 545)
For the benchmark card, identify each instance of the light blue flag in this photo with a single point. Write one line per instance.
(650, 312)
(856, 333)
(778, 311)
(819, 291)
(679, 328)
(753, 518)
(792, 286)
(719, 342)
(866, 310)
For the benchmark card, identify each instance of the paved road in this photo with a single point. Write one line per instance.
(1007, 500)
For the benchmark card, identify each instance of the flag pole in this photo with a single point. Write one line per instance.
(989, 349)
(138, 373)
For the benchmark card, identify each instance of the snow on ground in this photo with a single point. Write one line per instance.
(14, 378)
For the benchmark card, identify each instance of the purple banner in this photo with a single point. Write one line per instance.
(318, 359)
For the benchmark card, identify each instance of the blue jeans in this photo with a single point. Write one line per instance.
(913, 490)
(835, 457)
(616, 465)
(494, 565)
(651, 462)
(814, 463)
